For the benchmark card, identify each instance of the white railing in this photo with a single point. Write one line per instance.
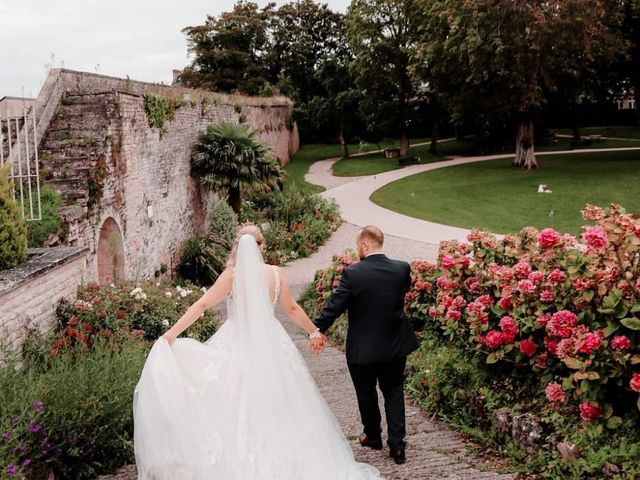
(19, 148)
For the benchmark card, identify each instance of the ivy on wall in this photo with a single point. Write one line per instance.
(160, 109)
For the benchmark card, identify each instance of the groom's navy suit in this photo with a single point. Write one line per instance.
(379, 338)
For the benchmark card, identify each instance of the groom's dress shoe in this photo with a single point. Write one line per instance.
(398, 455)
(375, 443)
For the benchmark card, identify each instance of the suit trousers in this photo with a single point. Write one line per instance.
(390, 377)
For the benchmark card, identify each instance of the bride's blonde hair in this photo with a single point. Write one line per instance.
(244, 229)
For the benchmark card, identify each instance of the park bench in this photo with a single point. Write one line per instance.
(404, 161)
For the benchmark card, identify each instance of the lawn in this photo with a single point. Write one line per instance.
(564, 144)
(377, 163)
(299, 165)
(628, 131)
(494, 196)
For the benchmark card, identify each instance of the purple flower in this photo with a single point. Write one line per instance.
(23, 448)
(26, 462)
(69, 439)
(12, 469)
(5, 435)
(35, 428)
(38, 406)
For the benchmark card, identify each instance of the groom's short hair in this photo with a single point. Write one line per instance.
(372, 234)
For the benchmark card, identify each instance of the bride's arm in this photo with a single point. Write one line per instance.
(291, 307)
(210, 298)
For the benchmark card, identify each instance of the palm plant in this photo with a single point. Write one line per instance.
(230, 159)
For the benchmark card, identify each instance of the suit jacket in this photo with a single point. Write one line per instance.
(372, 292)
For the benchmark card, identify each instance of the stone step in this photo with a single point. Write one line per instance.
(71, 173)
(70, 188)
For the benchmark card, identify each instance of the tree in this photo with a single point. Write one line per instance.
(500, 58)
(231, 52)
(13, 228)
(383, 35)
(229, 159)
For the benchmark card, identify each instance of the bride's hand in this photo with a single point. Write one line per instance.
(168, 337)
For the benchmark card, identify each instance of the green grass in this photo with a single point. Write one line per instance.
(376, 163)
(628, 131)
(565, 143)
(299, 165)
(494, 196)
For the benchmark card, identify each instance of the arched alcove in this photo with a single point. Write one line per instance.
(110, 253)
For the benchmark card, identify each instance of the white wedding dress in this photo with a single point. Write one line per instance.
(240, 406)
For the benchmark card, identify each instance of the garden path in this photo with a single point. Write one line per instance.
(357, 208)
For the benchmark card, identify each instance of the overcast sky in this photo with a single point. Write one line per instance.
(139, 38)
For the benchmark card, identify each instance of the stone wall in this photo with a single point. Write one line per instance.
(127, 189)
(29, 293)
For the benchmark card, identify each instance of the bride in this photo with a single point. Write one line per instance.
(242, 405)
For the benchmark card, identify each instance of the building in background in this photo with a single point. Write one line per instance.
(13, 106)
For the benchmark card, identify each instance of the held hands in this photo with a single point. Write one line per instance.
(317, 342)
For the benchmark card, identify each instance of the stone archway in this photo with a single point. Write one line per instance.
(110, 253)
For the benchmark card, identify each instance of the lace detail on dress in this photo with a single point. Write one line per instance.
(276, 279)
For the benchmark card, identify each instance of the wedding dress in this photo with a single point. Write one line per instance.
(240, 406)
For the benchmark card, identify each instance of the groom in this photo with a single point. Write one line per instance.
(379, 337)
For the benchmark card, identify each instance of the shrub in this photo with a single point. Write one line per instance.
(13, 229)
(142, 309)
(50, 224)
(223, 223)
(295, 223)
(203, 259)
(71, 416)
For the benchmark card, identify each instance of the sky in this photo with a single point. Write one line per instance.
(138, 38)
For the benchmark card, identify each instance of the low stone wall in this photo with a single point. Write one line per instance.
(29, 293)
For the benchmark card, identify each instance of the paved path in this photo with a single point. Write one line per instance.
(357, 208)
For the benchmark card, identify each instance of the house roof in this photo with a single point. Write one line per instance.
(6, 97)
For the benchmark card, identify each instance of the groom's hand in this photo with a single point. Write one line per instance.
(316, 345)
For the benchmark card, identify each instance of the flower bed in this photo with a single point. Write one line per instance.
(541, 324)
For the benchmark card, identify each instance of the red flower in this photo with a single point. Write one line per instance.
(453, 314)
(557, 276)
(447, 261)
(548, 237)
(433, 312)
(526, 287)
(589, 343)
(493, 340)
(542, 360)
(509, 326)
(547, 296)
(485, 300)
(562, 323)
(620, 342)
(554, 393)
(536, 277)
(528, 347)
(551, 345)
(596, 238)
(635, 382)
(522, 269)
(505, 303)
(590, 411)
(544, 319)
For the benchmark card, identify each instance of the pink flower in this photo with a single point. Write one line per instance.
(508, 326)
(596, 238)
(621, 343)
(581, 284)
(522, 269)
(542, 360)
(544, 319)
(562, 323)
(526, 287)
(589, 343)
(528, 347)
(551, 345)
(554, 393)
(590, 411)
(592, 213)
(447, 301)
(548, 238)
(505, 303)
(635, 382)
(464, 262)
(547, 296)
(448, 261)
(536, 277)
(557, 276)
(485, 300)
(433, 312)
(493, 340)
(453, 314)
(626, 222)
(567, 348)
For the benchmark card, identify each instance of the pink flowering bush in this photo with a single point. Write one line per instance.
(567, 312)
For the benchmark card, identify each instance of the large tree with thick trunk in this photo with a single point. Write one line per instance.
(500, 58)
(383, 36)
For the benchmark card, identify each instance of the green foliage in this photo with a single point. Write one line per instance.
(223, 223)
(160, 109)
(204, 258)
(70, 415)
(51, 223)
(229, 158)
(13, 228)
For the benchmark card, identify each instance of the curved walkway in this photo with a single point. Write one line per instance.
(357, 208)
